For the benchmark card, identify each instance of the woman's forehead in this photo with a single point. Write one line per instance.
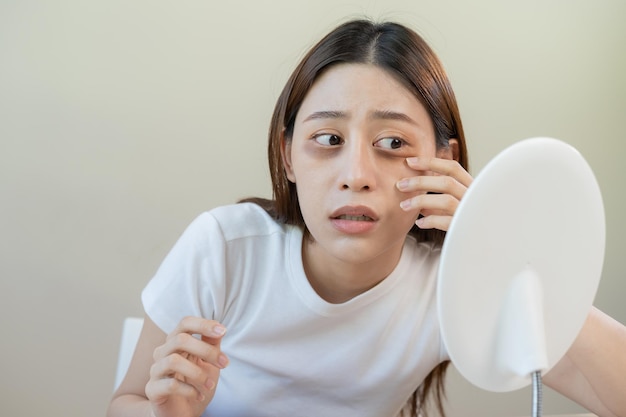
(348, 88)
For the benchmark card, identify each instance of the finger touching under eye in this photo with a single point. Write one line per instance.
(434, 184)
(439, 166)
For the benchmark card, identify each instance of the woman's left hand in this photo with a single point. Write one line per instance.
(441, 184)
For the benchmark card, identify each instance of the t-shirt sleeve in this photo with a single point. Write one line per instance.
(190, 280)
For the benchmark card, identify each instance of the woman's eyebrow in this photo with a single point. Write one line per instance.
(375, 115)
(326, 114)
(392, 115)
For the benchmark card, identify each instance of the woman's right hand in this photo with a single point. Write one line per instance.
(186, 369)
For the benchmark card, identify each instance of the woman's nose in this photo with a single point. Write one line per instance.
(358, 172)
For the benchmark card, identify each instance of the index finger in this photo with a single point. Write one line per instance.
(200, 326)
(447, 167)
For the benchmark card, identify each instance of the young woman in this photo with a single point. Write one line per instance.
(321, 302)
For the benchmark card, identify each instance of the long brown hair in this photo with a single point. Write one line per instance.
(403, 54)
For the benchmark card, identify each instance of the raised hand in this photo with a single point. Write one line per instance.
(186, 369)
(440, 184)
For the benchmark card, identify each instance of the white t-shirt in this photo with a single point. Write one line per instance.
(292, 353)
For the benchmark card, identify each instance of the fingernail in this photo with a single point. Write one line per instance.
(405, 205)
(403, 184)
(209, 384)
(222, 360)
(219, 330)
(412, 160)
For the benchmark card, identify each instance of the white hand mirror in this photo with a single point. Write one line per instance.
(521, 264)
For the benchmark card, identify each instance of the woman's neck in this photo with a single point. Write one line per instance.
(337, 281)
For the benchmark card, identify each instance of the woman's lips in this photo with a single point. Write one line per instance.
(361, 218)
(354, 219)
(361, 212)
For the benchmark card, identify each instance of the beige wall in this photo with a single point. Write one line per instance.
(121, 120)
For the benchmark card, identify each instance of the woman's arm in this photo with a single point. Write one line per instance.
(171, 375)
(593, 372)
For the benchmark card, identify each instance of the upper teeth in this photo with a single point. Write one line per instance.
(355, 218)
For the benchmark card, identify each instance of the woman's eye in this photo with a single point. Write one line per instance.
(327, 139)
(390, 143)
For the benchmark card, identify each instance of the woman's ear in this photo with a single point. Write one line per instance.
(285, 153)
(451, 152)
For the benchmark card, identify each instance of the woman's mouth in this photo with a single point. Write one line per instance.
(361, 218)
(354, 220)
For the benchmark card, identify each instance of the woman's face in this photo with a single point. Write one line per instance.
(352, 135)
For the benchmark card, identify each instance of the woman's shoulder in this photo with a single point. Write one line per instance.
(422, 256)
(241, 220)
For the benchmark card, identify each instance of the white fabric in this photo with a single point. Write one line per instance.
(292, 353)
(130, 334)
